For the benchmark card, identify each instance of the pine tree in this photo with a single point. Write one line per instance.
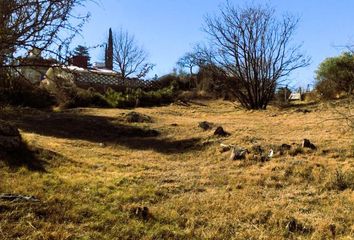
(109, 51)
(82, 51)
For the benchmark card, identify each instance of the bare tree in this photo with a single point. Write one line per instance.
(47, 25)
(255, 49)
(189, 61)
(128, 57)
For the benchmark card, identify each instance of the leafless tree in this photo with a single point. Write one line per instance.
(47, 25)
(128, 57)
(255, 49)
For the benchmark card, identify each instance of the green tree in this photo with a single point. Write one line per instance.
(336, 75)
(82, 51)
(109, 51)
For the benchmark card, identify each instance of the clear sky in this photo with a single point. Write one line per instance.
(169, 28)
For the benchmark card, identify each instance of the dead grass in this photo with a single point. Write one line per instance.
(98, 172)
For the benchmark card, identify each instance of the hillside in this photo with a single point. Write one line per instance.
(98, 176)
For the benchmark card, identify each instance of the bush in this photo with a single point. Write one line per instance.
(137, 97)
(336, 75)
(312, 96)
(282, 96)
(19, 92)
(179, 82)
(341, 181)
(327, 89)
(86, 98)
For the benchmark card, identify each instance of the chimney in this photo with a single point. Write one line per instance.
(79, 61)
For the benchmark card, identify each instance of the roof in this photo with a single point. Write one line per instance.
(105, 77)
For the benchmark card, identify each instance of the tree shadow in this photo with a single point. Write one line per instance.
(291, 105)
(98, 129)
(166, 146)
(24, 157)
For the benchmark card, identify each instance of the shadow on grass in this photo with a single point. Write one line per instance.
(34, 159)
(24, 157)
(292, 105)
(99, 129)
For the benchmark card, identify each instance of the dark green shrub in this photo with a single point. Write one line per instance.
(137, 97)
(114, 99)
(19, 92)
(86, 98)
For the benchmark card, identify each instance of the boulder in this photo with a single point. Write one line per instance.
(238, 153)
(205, 125)
(220, 132)
(285, 147)
(135, 117)
(10, 137)
(307, 144)
(141, 212)
(225, 147)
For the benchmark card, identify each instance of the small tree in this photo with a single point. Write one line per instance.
(189, 61)
(336, 75)
(254, 50)
(82, 51)
(128, 57)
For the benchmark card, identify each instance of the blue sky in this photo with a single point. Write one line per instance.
(169, 28)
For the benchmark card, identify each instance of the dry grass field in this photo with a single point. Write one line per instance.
(97, 176)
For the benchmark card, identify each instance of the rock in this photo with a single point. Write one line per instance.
(141, 212)
(135, 117)
(220, 132)
(291, 226)
(294, 225)
(205, 125)
(332, 229)
(182, 103)
(271, 153)
(285, 146)
(225, 147)
(10, 137)
(14, 197)
(238, 153)
(307, 144)
(257, 149)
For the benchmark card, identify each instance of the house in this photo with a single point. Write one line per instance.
(34, 67)
(38, 70)
(299, 95)
(96, 77)
(295, 96)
